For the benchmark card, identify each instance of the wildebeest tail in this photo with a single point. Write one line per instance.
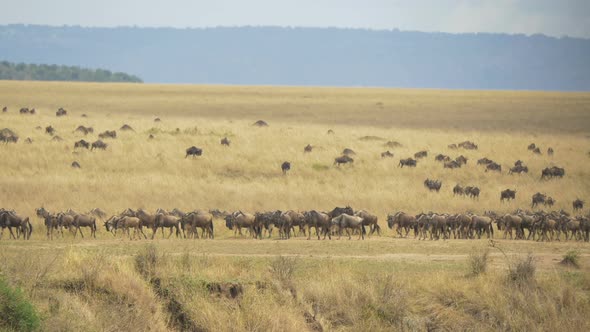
(211, 228)
(30, 228)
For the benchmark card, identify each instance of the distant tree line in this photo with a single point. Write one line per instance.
(35, 72)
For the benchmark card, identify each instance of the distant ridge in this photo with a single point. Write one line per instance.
(43, 72)
(311, 56)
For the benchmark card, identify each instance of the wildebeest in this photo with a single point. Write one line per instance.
(432, 185)
(126, 127)
(198, 219)
(458, 190)
(348, 222)
(442, 157)
(330, 132)
(403, 220)
(24, 110)
(386, 154)
(166, 221)
(225, 141)
(370, 220)
(537, 150)
(260, 123)
(420, 154)
(98, 145)
(550, 172)
(307, 148)
(157, 120)
(461, 160)
(81, 220)
(50, 130)
(75, 164)
(538, 198)
(518, 169)
(452, 146)
(343, 160)
(84, 130)
(549, 201)
(467, 145)
(393, 144)
(494, 167)
(507, 195)
(578, 204)
(7, 136)
(550, 151)
(320, 221)
(81, 144)
(407, 162)
(472, 192)
(484, 161)
(482, 224)
(10, 219)
(531, 147)
(61, 112)
(285, 167)
(452, 164)
(193, 151)
(238, 220)
(340, 210)
(348, 152)
(108, 134)
(4, 109)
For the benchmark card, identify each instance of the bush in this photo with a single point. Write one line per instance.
(478, 262)
(523, 271)
(571, 258)
(16, 312)
(283, 267)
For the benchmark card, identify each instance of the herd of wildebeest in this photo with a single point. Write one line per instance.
(542, 226)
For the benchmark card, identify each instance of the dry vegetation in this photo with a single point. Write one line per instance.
(241, 284)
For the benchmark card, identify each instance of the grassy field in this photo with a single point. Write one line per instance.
(383, 283)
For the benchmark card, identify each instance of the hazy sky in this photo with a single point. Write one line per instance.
(550, 17)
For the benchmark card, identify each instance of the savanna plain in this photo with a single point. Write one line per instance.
(237, 283)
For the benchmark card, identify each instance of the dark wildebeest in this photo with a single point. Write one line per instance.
(320, 221)
(193, 151)
(330, 132)
(550, 151)
(82, 144)
(578, 204)
(468, 145)
(239, 220)
(4, 109)
(458, 190)
(537, 150)
(484, 161)
(473, 192)
(348, 222)
(307, 148)
(260, 123)
(126, 127)
(370, 220)
(494, 167)
(386, 154)
(61, 112)
(407, 162)
(50, 130)
(198, 219)
(285, 167)
(551, 172)
(442, 157)
(549, 201)
(108, 134)
(339, 210)
(9, 219)
(507, 195)
(420, 154)
(518, 169)
(157, 120)
(225, 141)
(82, 220)
(538, 198)
(76, 164)
(343, 160)
(452, 146)
(98, 145)
(461, 160)
(531, 147)
(348, 152)
(452, 164)
(482, 224)
(24, 110)
(403, 221)
(432, 185)
(161, 220)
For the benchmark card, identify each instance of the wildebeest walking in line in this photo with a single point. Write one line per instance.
(494, 167)
(307, 148)
(386, 154)
(407, 162)
(458, 190)
(550, 151)
(421, 154)
(538, 198)
(432, 185)
(98, 145)
(108, 134)
(343, 160)
(193, 151)
(10, 220)
(551, 172)
(578, 204)
(507, 195)
(285, 167)
(225, 141)
(348, 222)
(472, 192)
(61, 112)
(82, 144)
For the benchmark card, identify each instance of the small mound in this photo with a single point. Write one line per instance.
(7, 132)
(260, 123)
(75, 164)
(126, 127)
(372, 138)
(393, 144)
(157, 120)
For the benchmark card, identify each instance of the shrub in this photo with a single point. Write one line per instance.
(523, 271)
(478, 262)
(146, 261)
(571, 258)
(17, 313)
(283, 267)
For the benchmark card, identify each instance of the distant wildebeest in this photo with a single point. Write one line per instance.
(472, 192)
(285, 167)
(307, 148)
(98, 145)
(578, 204)
(518, 169)
(348, 152)
(151, 136)
(8, 136)
(260, 123)
(453, 146)
(24, 110)
(403, 220)
(49, 130)
(157, 120)
(420, 154)
(461, 160)
(550, 151)
(348, 222)
(432, 185)
(238, 220)
(407, 162)
(519, 163)
(549, 201)
(458, 190)
(550, 172)
(393, 144)
(4, 109)
(75, 164)
(370, 220)
(386, 154)
(225, 141)
(81, 144)
(452, 164)
(126, 127)
(507, 195)
(442, 157)
(484, 161)
(340, 210)
(537, 199)
(81, 220)
(330, 132)
(193, 151)
(537, 150)
(343, 160)
(108, 134)
(467, 145)
(61, 112)
(84, 130)
(532, 146)
(10, 220)
(494, 167)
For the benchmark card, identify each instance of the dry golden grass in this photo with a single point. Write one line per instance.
(377, 284)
